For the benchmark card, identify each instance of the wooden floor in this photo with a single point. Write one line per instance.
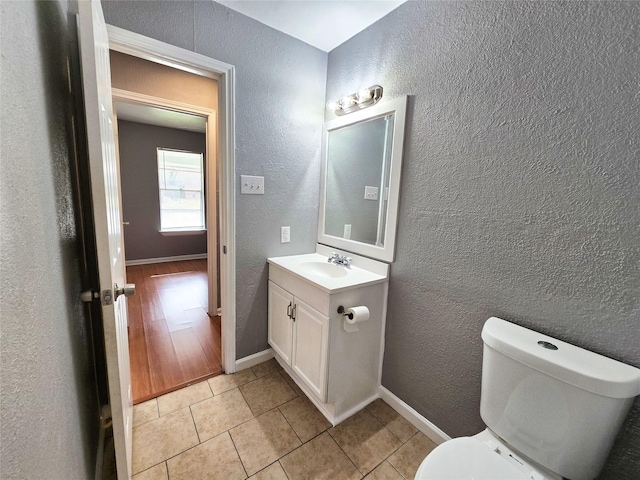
(172, 340)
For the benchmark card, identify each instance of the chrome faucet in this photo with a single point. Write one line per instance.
(338, 259)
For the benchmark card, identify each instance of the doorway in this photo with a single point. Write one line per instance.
(164, 158)
(223, 132)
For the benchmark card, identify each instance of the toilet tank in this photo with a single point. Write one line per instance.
(558, 404)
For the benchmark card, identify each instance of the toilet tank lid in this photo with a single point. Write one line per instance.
(568, 363)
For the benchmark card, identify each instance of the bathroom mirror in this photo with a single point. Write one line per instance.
(361, 164)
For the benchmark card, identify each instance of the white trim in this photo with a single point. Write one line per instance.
(176, 258)
(147, 48)
(136, 98)
(413, 417)
(398, 107)
(180, 233)
(254, 359)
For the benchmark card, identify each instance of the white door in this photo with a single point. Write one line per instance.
(311, 337)
(96, 80)
(280, 335)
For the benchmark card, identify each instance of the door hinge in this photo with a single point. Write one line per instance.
(107, 297)
(224, 249)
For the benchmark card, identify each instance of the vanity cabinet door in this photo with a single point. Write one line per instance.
(311, 332)
(280, 324)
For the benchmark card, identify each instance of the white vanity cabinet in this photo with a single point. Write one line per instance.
(338, 370)
(298, 333)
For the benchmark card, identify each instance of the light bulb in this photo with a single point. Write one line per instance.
(331, 106)
(364, 95)
(347, 101)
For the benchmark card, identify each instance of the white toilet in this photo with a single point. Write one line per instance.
(552, 410)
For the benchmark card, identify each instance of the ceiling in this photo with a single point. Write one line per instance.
(325, 24)
(160, 117)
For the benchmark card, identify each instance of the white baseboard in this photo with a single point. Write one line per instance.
(413, 417)
(177, 258)
(254, 359)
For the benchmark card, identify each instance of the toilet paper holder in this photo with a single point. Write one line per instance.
(343, 311)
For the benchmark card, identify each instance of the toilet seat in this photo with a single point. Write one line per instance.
(469, 458)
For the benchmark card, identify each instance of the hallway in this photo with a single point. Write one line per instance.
(172, 340)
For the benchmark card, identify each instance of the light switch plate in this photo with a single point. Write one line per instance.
(285, 234)
(371, 193)
(251, 185)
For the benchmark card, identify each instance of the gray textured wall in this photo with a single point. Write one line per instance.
(49, 408)
(520, 189)
(140, 202)
(280, 84)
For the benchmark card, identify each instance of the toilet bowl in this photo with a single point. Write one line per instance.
(481, 457)
(552, 411)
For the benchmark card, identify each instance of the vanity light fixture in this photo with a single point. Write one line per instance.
(357, 101)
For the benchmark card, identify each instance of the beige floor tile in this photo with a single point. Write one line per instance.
(319, 459)
(272, 472)
(222, 383)
(162, 438)
(183, 398)
(305, 419)
(263, 440)
(159, 472)
(291, 383)
(384, 471)
(267, 393)
(365, 440)
(409, 457)
(144, 412)
(266, 368)
(220, 413)
(391, 419)
(214, 459)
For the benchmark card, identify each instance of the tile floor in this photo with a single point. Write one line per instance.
(258, 424)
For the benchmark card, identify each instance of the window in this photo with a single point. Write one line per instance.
(181, 182)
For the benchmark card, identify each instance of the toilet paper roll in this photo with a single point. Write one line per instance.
(357, 314)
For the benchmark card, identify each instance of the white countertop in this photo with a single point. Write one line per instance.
(315, 269)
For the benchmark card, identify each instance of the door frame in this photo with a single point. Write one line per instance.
(134, 44)
(211, 177)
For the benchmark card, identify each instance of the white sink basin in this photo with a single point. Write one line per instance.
(315, 269)
(325, 269)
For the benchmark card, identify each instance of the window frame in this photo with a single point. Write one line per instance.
(191, 230)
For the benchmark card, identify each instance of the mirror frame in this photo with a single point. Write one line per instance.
(386, 253)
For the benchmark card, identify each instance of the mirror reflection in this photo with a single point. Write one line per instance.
(361, 165)
(357, 181)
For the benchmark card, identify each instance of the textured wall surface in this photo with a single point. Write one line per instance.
(142, 76)
(140, 202)
(48, 401)
(520, 193)
(280, 84)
